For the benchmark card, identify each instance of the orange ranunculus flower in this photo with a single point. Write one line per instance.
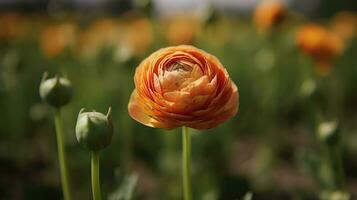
(182, 86)
(56, 38)
(321, 44)
(268, 14)
(344, 24)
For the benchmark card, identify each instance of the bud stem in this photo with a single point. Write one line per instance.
(334, 163)
(95, 176)
(62, 156)
(186, 156)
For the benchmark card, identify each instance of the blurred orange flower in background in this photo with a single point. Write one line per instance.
(139, 35)
(182, 29)
(101, 33)
(132, 35)
(269, 14)
(11, 25)
(321, 44)
(54, 39)
(344, 24)
(182, 86)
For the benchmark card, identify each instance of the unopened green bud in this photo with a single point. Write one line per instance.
(94, 130)
(56, 91)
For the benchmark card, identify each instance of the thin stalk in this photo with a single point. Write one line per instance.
(62, 156)
(337, 167)
(334, 163)
(186, 156)
(327, 166)
(97, 195)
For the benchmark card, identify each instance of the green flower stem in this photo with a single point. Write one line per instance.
(327, 168)
(336, 166)
(186, 156)
(62, 156)
(97, 195)
(340, 168)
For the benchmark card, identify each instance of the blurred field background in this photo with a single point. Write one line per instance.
(295, 135)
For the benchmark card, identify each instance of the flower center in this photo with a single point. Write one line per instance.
(179, 75)
(180, 66)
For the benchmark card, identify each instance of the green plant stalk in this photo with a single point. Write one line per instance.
(340, 169)
(62, 156)
(327, 166)
(337, 166)
(334, 164)
(97, 195)
(186, 156)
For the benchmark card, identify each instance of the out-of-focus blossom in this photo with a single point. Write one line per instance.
(12, 26)
(182, 29)
(269, 14)
(344, 24)
(101, 33)
(139, 35)
(321, 44)
(182, 86)
(55, 39)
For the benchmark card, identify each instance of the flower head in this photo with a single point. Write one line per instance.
(56, 38)
(344, 24)
(182, 30)
(56, 91)
(268, 14)
(13, 26)
(94, 130)
(139, 34)
(100, 34)
(321, 44)
(182, 86)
